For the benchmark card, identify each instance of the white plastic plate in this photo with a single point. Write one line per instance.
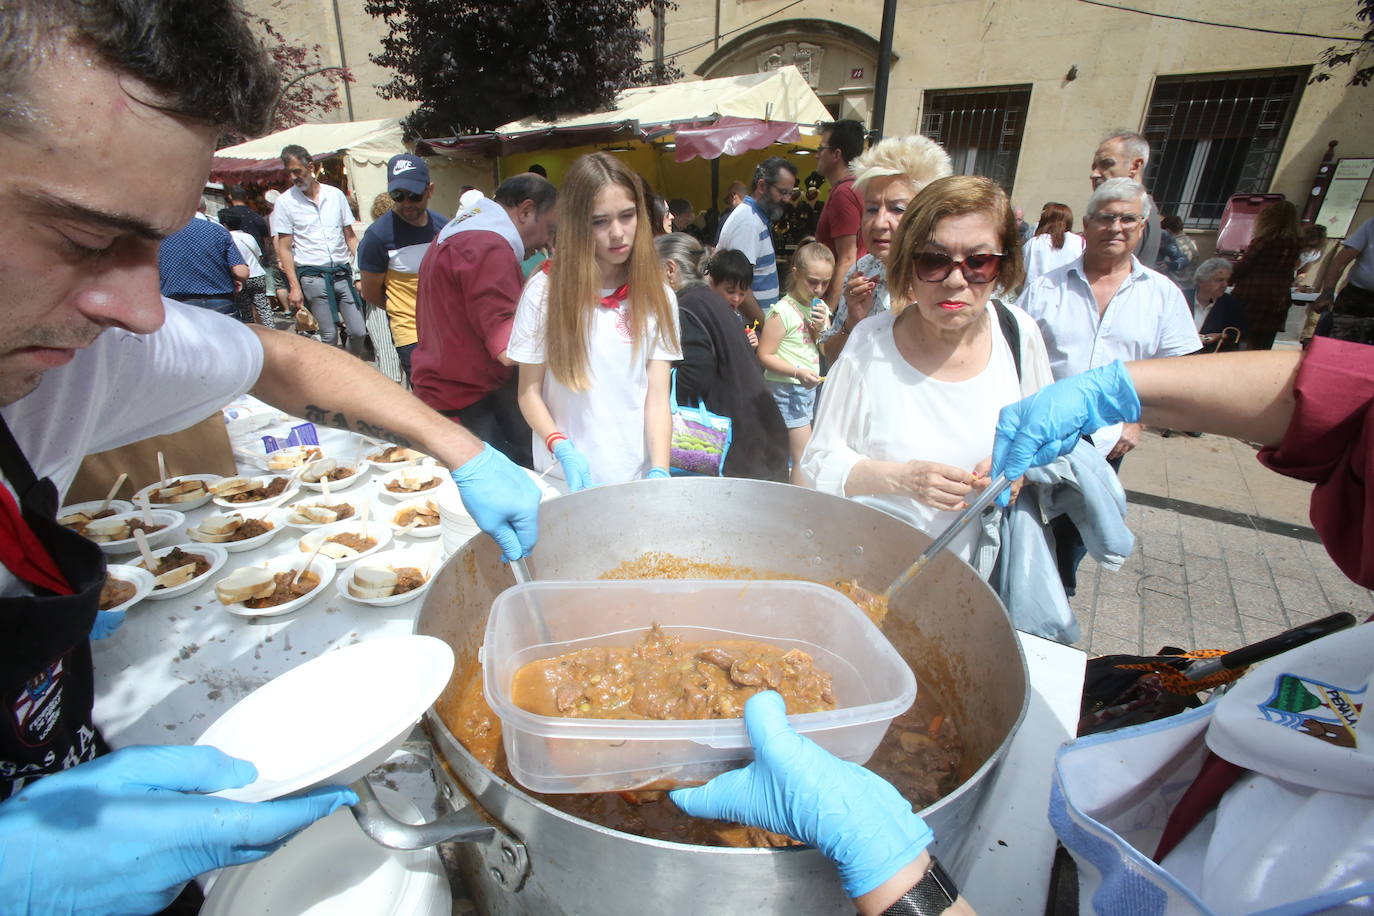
(334, 718)
(200, 500)
(427, 559)
(215, 553)
(169, 518)
(377, 530)
(285, 563)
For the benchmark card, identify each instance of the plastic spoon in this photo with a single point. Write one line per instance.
(161, 469)
(142, 499)
(149, 561)
(310, 561)
(119, 482)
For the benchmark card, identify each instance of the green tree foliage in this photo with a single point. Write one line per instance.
(1335, 58)
(473, 66)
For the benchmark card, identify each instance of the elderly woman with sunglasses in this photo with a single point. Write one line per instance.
(910, 408)
(886, 178)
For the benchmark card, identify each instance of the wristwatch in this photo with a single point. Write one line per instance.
(933, 894)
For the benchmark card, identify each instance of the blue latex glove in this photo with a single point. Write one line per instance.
(106, 622)
(1050, 422)
(657, 474)
(502, 500)
(576, 471)
(122, 834)
(795, 787)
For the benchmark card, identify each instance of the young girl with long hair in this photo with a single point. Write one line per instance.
(595, 334)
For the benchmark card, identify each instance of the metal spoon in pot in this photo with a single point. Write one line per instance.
(869, 600)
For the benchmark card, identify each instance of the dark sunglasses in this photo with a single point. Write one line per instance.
(933, 267)
(405, 197)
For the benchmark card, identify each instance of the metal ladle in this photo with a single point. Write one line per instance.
(975, 509)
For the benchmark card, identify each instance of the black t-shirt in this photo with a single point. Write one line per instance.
(718, 366)
(254, 225)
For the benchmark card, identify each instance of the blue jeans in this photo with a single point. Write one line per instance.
(224, 306)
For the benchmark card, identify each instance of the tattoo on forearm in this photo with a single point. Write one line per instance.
(340, 420)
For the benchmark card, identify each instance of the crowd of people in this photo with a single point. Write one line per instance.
(566, 326)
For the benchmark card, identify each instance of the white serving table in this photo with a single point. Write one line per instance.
(175, 666)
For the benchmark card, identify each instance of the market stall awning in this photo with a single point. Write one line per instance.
(365, 142)
(726, 115)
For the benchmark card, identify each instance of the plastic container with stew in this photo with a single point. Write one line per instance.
(872, 683)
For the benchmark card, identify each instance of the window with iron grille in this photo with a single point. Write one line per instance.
(1217, 134)
(980, 128)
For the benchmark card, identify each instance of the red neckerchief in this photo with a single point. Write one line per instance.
(23, 553)
(615, 299)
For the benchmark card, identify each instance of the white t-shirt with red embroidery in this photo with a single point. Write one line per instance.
(605, 422)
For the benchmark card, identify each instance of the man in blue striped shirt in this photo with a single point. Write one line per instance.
(748, 231)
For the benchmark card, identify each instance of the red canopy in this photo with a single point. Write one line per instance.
(730, 136)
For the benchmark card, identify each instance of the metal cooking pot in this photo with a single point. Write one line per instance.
(521, 856)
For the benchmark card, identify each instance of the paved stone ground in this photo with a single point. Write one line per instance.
(1225, 554)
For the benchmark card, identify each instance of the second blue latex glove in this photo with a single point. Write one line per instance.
(657, 474)
(502, 500)
(576, 471)
(123, 833)
(1049, 423)
(797, 788)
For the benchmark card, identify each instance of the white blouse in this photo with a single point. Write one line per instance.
(878, 406)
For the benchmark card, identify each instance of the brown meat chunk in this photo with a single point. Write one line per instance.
(285, 591)
(115, 592)
(356, 541)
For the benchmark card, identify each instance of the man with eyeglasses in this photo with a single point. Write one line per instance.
(1105, 306)
(393, 246)
(315, 247)
(747, 230)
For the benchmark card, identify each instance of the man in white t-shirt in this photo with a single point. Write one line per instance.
(748, 230)
(1105, 306)
(92, 357)
(315, 247)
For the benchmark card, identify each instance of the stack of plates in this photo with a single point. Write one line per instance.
(334, 869)
(456, 527)
(332, 720)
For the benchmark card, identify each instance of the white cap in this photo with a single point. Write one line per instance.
(470, 198)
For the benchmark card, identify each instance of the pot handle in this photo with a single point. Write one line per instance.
(462, 826)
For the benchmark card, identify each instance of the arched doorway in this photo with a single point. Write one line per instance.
(839, 61)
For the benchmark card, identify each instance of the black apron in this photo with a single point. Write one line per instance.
(46, 676)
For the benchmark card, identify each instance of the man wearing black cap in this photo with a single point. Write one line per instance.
(393, 247)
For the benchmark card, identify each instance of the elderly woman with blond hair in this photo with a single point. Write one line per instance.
(887, 177)
(910, 408)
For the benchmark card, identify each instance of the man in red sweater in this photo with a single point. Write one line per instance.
(838, 228)
(470, 282)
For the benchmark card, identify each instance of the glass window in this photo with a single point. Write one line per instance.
(1217, 134)
(981, 129)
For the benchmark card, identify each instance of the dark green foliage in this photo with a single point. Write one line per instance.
(474, 66)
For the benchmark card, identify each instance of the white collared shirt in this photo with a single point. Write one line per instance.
(316, 227)
(1146, 318)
